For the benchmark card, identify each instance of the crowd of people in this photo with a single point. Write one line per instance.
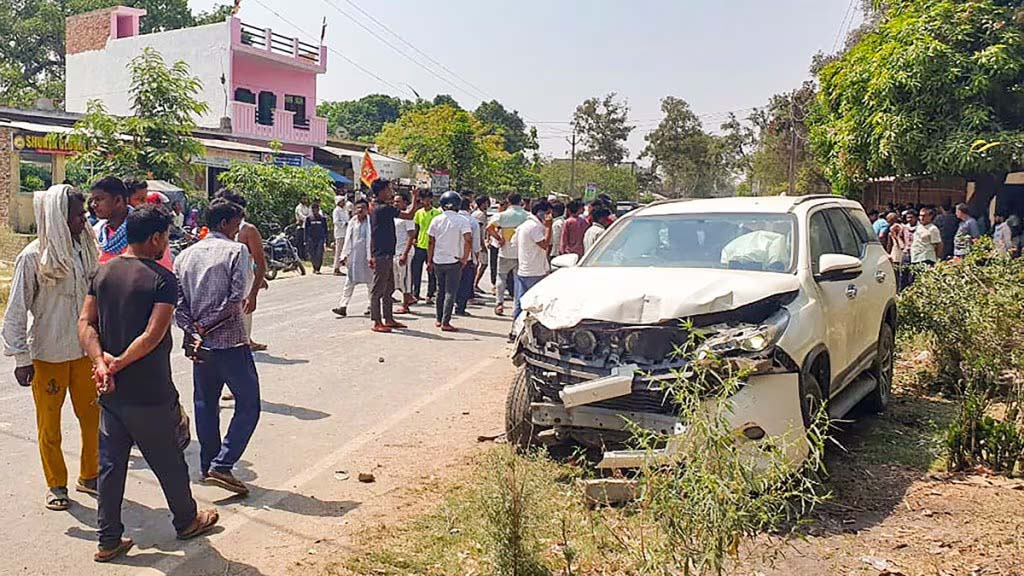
(398, 241)
(90, 311)
(89, 316)
(925, 235)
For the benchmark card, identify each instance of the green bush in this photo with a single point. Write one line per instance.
(272, 192)
(969, 313)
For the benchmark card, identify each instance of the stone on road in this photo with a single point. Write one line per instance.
(329, 404)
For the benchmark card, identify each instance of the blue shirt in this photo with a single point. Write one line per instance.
(881, 227)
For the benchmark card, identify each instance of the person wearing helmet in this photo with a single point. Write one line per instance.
(450, 244)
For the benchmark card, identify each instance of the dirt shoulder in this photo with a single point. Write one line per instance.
(891, 513)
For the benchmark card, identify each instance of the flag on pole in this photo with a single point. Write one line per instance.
(323, 30)
(368, 173)
(234, 9)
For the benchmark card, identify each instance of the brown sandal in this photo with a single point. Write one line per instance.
(205, 520)
(105, 555)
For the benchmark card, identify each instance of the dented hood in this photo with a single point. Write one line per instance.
(646, 295)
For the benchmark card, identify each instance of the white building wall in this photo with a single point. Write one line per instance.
(103, 74)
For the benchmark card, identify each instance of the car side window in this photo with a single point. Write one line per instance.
(820, 239)
(849, 243)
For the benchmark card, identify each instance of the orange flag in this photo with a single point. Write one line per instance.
(368, 173)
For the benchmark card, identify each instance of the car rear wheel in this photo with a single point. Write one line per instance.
(519, 428)
(878, 399)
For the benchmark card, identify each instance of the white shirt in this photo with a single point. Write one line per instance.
(448, 231)
(591, 235)
(922, 248)
(402, 230)
(52, 335)
(301, 213)
(474, 226)
(533, 260)
(340, 217)
(556, 236)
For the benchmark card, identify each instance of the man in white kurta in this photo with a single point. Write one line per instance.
(356, 256)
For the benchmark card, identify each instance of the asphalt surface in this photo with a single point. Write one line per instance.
(331, 389)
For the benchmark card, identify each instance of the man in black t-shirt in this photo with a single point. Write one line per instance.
(382, 255)
(125, 330)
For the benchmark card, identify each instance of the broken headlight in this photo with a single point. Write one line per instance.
(749, 339)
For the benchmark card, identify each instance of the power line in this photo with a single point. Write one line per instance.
(364, 69)
(843, 25)
(418, 51)
(399, 50)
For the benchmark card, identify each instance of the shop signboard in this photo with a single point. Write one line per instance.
(54, 143)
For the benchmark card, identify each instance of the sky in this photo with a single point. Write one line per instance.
(544, 57)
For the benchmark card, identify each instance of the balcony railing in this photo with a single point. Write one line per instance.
(280, 125)
(267, 39)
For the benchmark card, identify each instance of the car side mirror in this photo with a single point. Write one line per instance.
(565, 260)
(833, 267)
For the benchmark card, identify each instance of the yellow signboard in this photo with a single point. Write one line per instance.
(52, 143)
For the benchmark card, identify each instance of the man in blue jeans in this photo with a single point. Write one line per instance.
(532, 242)
(214, 277)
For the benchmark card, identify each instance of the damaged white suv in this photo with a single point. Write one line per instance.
(799, 287)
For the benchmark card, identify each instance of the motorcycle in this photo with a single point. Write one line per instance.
(281, 254)
(181, 238)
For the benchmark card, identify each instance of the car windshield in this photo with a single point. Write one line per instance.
(734, 241)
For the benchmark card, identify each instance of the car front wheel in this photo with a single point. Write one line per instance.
(520, 431)
(878, 399)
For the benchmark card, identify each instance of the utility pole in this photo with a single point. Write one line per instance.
(792, 144)
(572, 163)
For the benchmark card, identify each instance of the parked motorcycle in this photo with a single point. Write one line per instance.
(281, 254)
(181, 238)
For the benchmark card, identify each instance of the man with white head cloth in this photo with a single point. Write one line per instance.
(51, 280)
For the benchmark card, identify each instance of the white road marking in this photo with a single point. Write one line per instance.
(325, 464)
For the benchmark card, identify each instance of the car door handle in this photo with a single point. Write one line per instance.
(880, 276)
(851, 291)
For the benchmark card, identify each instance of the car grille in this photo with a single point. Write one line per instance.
(550, 375)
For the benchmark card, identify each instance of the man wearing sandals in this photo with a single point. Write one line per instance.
(51, 278)
(125, 329)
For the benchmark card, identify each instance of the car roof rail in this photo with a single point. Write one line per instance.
(666, 201)
(801, 199)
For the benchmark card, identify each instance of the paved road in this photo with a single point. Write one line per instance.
(331, 390)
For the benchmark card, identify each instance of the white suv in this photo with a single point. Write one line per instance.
(798, 288)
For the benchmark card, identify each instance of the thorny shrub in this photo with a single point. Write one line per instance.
(969, 312)
(718, 490)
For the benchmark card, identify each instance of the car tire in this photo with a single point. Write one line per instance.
(811, 398)
(520, 431)
(878, 400)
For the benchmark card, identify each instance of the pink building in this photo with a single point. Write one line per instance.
(258, 84)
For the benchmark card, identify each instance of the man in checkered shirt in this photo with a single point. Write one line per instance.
(215, 275)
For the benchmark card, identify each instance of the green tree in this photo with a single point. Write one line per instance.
(619, 182)
(781, 132)
(446, 100)
(362, 119)
(691, 161)
(157, 139)
(508, 125)
(32, 49)
(446, 138)
(271, 191)
(912, 95)
(603, 124)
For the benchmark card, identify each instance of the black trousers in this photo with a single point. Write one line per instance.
(448, 278)
(492, 257)
(153, 430)
(316, 255)
(465, 286)
(419, 260)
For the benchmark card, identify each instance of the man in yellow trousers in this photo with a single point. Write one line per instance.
(51, 280)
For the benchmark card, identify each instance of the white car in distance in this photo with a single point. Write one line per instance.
(797, 287)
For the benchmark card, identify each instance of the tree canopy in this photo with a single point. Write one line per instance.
(508, 125)
(603, 124)
(619, 182)
(914, 93)
(362, 119)
(32, 50)
(271, 192)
